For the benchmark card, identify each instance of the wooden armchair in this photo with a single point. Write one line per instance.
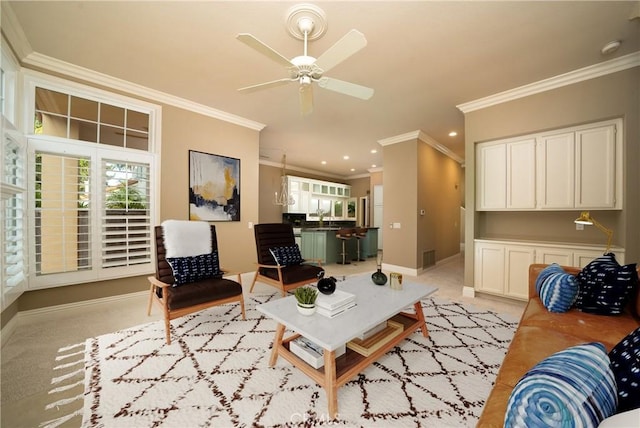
(188, 298)
(283, 276)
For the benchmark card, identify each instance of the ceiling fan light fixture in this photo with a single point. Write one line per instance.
(305, 80)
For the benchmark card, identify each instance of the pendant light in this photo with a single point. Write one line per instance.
(284, 198)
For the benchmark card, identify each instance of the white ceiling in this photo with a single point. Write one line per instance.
(423, 58)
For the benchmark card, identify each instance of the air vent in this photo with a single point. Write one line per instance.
(428, 258)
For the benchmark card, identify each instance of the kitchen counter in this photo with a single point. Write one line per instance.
(321, 243)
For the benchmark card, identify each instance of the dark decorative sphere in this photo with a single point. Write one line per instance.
(327, 285)
(379, 278)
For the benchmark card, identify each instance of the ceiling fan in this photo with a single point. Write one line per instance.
(307, 22)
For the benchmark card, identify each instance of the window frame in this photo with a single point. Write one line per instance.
(96, 152)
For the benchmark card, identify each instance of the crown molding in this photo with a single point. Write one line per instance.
(425, 138)
(13, 31)
(50, 64)
(590, 72)
(300, 169)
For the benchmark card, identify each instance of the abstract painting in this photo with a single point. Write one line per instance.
(214, 187)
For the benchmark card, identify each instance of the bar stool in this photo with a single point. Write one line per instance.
(344, 235)
(359, 233)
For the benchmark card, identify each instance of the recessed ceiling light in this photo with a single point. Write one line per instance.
(453, 134)
(611, 47)
(373, 166)
(323, 162)
(353, 169)
(345, 157)
(374, 151)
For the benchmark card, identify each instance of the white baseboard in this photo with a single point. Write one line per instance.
(468, 292)
(401, 269)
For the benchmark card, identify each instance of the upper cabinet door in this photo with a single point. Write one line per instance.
(521, 174)
(491, 183)
(596, 167)
(556, 171)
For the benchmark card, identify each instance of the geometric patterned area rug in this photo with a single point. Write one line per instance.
(216, 373)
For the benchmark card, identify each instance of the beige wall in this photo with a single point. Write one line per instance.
(610, 96)
(400, 203)
(441, 199)
(418, 177)
(183, 131)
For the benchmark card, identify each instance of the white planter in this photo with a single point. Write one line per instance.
(306, 309)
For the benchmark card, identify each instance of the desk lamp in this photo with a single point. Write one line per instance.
(585, 218)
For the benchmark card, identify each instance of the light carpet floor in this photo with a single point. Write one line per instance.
(29, 355)
(216, 373)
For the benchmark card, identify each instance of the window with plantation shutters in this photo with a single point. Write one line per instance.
(92, 185)
(13, 264)
(62, 219)
(126, 227)
(92, 213)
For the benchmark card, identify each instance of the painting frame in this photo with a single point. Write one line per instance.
(214, 187)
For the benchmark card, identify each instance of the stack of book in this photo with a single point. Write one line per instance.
(331, 305)
(310, 352)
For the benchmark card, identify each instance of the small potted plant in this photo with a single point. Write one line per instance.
(306, 297)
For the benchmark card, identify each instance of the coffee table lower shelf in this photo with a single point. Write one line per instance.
(338, 371)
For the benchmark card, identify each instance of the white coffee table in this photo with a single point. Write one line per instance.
(375, 304)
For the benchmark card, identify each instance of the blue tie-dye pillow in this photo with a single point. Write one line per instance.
(571, 388)
(558, 291)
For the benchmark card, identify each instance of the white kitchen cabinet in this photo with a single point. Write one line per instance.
(560, 255)
(489, 268)
(507, 175)
(492, 176)
(555, 173)
(596, 167)
(311, 195)
(521, 174)
(574, 168)
(502, 267)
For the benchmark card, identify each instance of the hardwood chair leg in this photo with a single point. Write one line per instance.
(150, 300)
(255, 277)
(244, 316)
(167, 326)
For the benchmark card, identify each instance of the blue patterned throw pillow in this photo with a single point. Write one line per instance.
(287, 256)
(625, 364)
(605, 286)
(558, 291)
(196, 268)
(571, 388)
(544, 273)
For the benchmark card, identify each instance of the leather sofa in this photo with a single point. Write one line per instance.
(542, 333)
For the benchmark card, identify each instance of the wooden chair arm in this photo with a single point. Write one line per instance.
(260, 265)
(237, 273)
(316, 261)
(155, 281)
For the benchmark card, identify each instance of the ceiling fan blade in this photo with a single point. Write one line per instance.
(346, 88)
(349, 44)
(266, 85)
(306, 99)
(264, 49)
